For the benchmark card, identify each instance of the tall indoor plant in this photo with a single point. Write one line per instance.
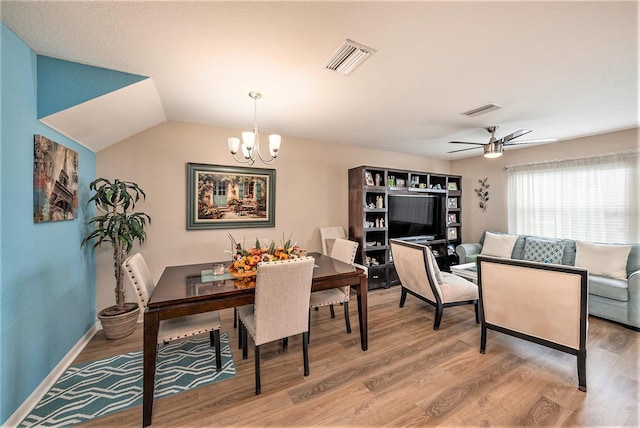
(117, 224)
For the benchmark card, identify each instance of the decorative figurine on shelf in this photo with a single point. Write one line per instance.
(377, 222)
(380, 202)
(382, 222)
(378, 178)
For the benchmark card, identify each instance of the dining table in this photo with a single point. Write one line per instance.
(191, 289)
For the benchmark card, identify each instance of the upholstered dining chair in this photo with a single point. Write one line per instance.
(419, 276)
(280, 308)
(345, 251)
(328, 235)
(137, 271)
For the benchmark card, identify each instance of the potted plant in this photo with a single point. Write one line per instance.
(117, 224)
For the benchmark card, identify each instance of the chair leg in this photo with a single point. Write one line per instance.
(333, 314)
(346, 316)
(436, 322)
(483, 338)
(244, 341)
(477, 312)
(216, 340)
(235, 317)
(403, 297)
(285, 343)
(305, 352)
(582, 370)
(257, 358)
(309, 324)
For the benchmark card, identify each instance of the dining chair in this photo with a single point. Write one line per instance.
(172, 329)
(328, 235)
(345, 251)
(280, 307)
(419, 276)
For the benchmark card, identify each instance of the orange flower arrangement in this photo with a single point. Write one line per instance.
(245, 261)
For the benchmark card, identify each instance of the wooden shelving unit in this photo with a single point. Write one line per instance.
(369, 190)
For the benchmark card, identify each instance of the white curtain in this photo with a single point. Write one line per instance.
(592, 199)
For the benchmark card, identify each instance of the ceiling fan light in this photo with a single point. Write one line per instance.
(492, 155)
(492, 150)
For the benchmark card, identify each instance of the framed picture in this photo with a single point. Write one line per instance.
(368, 178)
(453, 233)
(452, 203)
(227, 197)
(452, 218)
(55, 181)
(399, 182)
(452, 185)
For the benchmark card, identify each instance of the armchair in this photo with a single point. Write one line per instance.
(419, 276)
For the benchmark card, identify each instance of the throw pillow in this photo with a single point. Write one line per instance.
(603, 259)
(498, 245)
(543, 250)
(436, 268)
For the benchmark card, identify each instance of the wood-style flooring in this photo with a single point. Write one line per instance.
(410, 376)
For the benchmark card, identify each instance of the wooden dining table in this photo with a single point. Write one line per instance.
(190, 289)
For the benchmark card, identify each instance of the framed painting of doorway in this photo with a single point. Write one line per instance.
(229, 197)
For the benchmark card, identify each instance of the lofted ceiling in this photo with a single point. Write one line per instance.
(563, 69)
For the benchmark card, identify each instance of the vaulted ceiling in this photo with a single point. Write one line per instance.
(563, 69)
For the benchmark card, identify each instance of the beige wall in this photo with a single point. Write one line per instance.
(495, 218)
(311, 191)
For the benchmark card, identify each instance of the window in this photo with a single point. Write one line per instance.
(592, 199)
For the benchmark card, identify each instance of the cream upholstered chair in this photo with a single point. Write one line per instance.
(280, 309)
(417, 269)
(543, 303)
(345, 251)
(328, 235)
(137, 272)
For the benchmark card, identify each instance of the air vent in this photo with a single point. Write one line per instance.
(481, 110)
(348, 57)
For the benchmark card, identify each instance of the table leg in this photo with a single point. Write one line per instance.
(150, 349)
(362, 289)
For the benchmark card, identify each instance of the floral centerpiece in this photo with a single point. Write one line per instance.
(245, 260)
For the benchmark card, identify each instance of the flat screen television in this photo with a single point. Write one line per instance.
(416, 216)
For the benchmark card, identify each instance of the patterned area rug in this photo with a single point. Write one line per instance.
(98, 388)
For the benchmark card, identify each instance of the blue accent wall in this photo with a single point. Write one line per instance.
(47, 281)
(63, 84)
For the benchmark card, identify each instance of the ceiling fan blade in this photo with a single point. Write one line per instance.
(465, 142)
(539, 140)
(513, 135)
(464, 150)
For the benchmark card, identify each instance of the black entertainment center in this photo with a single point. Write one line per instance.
(415, 206)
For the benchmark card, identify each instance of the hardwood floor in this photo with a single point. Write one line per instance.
(410, 376)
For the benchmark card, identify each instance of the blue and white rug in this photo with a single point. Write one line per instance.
(98, 388)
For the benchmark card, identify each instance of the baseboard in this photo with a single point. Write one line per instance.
(35, 397)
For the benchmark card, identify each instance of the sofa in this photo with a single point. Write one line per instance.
(612, 296)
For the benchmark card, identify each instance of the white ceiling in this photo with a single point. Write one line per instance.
(563, 69)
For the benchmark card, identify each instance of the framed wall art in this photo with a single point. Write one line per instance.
(228, 197)
(55, 181)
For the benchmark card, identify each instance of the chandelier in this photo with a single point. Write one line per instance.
(250, 145)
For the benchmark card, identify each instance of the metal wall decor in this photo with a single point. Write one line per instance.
(483, 193)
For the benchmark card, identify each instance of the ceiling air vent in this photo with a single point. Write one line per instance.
(348, 57)
(481, 110)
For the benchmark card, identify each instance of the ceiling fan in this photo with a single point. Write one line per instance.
(494, 147)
